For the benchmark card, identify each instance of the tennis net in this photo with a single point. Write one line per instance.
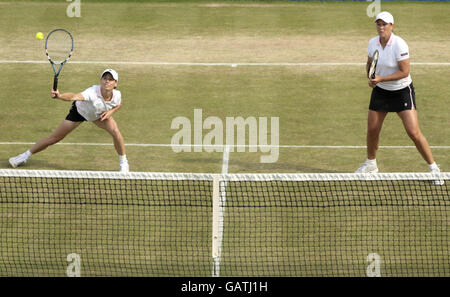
(57, 223)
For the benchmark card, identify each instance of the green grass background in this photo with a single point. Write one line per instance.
(316, 105)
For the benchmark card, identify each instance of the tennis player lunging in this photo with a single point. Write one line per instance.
(393, 91)
(96, 104)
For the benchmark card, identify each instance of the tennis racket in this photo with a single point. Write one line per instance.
(373, 65)
(58, 48)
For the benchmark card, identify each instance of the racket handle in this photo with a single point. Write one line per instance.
(55, 83)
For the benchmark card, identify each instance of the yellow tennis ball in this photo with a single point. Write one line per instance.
(39, 36)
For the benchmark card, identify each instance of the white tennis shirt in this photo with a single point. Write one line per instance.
(93, 105)
(395, 51)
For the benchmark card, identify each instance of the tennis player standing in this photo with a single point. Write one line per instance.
(96, 104)
(393, 91)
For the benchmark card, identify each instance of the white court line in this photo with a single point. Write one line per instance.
(221, 210)
(219, 146)
(214, 64)
(226, 159)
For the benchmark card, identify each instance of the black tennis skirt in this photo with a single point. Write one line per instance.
(73, 115)
(393, 101)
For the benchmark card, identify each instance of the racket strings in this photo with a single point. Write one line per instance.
(59, 46)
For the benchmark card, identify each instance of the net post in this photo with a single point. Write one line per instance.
(215, 224)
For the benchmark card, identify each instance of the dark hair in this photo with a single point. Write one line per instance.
(111, 75)
(107, 73)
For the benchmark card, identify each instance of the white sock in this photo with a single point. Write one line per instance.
(123, 159)
(372, 162)
(433, 166)
(27, 154)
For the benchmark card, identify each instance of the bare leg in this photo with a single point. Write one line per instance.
(374, 124)
(63, 129)
(411, 124)
(110, 125)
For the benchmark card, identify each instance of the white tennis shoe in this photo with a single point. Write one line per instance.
(18, 160)
(367, 167)
(437, 182)
(124, 167)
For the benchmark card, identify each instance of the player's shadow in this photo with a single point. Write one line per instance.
(34, 165)
(202, 160)
(4, 164)
(46, 164)
(278, 167)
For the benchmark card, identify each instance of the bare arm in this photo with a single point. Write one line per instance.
(107, 114)
(67, 96)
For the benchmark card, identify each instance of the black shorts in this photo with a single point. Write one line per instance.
(393, 101)
(73, 115)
